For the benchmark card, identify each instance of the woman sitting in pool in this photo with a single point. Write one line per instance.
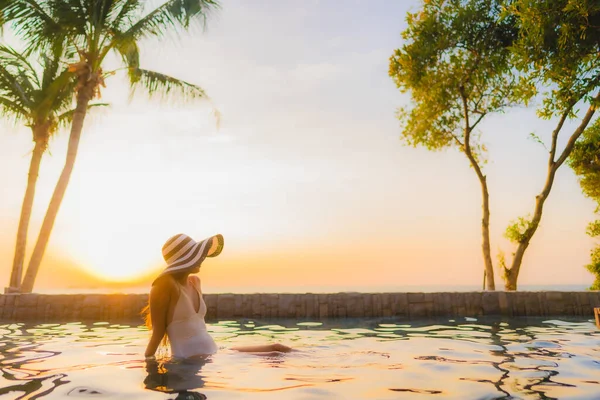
(176, 306)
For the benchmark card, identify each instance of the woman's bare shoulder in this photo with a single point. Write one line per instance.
(163, 288)
(195, 279)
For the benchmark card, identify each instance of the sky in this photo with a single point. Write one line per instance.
(305, 176)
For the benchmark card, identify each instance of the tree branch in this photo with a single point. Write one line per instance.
(555, 133)
(482, 114)
(584, 123)
(468, 130)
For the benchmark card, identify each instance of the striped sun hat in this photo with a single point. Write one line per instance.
(182, 252)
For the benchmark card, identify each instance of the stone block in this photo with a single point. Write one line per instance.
(341, 305)
(255, 301)
(246, 305)
(503, 303)
(419, 310)
(554, 296)
(377, 307)
(10, 299)
(386, 305)
(114, 313)
(300, 302)
(368, 304)
(355, 306)
(26, 313)
(310, 302)
(211, 306)
(269, 302)
(28, 300)
(287, 306)
(533, 306)
(490, 304)
(595, 298)
(416, 297)
(473, 304)
(459, 304)
(323, 304)
(237, 309)
(225, 306)
(583, 304)
(93, 300)
(442, 304)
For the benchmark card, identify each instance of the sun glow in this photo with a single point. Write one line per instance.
(120, 214)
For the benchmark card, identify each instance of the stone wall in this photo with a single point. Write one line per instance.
(307, 306)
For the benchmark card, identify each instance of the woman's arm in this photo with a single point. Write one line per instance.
(160, 296)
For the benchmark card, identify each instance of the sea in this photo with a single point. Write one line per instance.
(315, 289)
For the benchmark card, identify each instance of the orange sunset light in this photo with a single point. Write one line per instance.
(305, 174)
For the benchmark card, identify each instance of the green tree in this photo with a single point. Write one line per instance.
(558, 51)
(456, 65)
(40, 95)
(96, 28)
(585, 161)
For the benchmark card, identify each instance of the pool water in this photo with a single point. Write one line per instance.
(349, 359)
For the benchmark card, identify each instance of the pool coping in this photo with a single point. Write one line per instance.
(405, 305)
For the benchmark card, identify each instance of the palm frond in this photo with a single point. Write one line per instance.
(16, 61)
(51, 63)
(128, 50)
(171, 14)
(15, 78)
(57, 94)
(32, 21)
(126, 14)
(72, 15)
(11, 108)
(100, 11)
(165, 86)
(66, 118)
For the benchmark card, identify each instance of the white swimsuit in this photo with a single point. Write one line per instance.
(187, 332)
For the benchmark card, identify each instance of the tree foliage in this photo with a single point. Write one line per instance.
(585, 161)
(558, 54)
(456, 65)
(453, 49)
(34, 92)
(558, 48)
(91, 29)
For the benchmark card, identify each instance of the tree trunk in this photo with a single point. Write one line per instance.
(41, 140)
(84, 96)
(485, 233)
(488, 277)
(512, 274)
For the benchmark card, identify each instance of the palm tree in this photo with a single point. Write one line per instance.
(41, 96)
(96, 28)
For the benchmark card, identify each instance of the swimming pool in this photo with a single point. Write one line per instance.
(465, 358)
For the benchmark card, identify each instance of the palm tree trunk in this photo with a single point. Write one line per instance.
(26, 207)
(512, 274)
(84, 96)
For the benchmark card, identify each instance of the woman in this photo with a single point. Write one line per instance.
(176, 307)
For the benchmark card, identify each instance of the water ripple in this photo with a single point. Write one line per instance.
(367, 359)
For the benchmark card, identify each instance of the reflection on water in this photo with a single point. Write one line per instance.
(176, 376)
(342, 359)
